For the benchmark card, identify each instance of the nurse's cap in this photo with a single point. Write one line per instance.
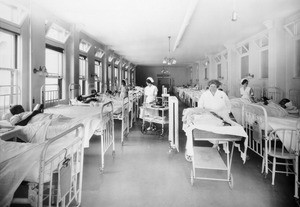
(150, 79)
(243, 80)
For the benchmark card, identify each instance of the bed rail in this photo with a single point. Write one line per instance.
(124, 117)
(273, 93)
(74, 91)
(107, 133)
(50, 95)
(60, 190)
(294, 96)
(255, 123)
(9, 95)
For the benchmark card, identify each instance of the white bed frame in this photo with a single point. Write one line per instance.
(124, 117)
(48, 193)
(9, 96)
(273, 93)
(133, 100)
(294, 96)
(255, 123)
(107, 133)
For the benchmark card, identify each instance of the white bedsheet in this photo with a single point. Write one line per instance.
(203, 120)
(90, 117)
(20, 161)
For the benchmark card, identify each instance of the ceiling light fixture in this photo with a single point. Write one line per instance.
(168, 60)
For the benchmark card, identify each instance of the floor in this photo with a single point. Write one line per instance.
(144, 173)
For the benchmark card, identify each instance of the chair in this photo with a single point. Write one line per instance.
(282, 148)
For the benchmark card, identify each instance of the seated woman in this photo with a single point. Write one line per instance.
(246, 91)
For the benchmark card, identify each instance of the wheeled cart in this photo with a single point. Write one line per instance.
(209, 158)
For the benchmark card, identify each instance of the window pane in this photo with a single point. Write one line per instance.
(297, 71)
(54, 62)
(7, 50)
(264, 64)
(244, 66)
(82, 67)
(12, 13)
(219, 71)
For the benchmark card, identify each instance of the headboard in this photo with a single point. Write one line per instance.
(258, 92)
(50, 95)
(294, 96)
(273, 93)
(9, 95)
(74, 90)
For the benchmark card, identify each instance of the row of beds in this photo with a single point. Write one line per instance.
(253, 118)
(49, 157)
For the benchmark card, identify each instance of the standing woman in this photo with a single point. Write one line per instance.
(150, 94)
(150, 91)
(124, 89)
(246, 91)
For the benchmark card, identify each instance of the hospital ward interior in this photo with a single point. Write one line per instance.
(149, 103)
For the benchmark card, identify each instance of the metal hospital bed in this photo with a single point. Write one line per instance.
(53, 170)
(208, 158)
(103, 115)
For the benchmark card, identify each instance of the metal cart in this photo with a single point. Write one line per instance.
(209, 158)
(161, 117)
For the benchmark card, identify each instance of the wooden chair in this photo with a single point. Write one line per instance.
(282, 149)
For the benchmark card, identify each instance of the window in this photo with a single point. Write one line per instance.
(264, 63)
(205, 74)
(98, 77)
(57, 33)
(219, 68)
(244, 66)
(84, 46)
(99, 53)
(12, 13)
(126, 75)
(297, 69)
(8, 67)
(83, 67)
(116, 77)
(54, 65)
(109, 77)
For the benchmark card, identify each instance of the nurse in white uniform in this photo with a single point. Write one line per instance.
(215, 100)
(150, 94)
(245, 91)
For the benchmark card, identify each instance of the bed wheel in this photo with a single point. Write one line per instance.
(192, 177)
(230, 181)
(143, 130)
(114, 153)
(188, 157)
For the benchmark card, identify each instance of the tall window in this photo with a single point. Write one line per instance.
(54, 65)
(8, 67)
(219, 68)
(116, 79)
(98, 77)
(297, 69)
(205, 74)
(83, 67)
(109, 77)
(244, 66)
(264, 63)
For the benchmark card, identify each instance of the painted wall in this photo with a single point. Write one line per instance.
(179, 75)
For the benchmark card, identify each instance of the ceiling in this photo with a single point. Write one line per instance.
(138, 30)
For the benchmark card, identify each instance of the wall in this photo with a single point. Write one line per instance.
(180, 75)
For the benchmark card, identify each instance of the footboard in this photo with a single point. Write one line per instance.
(255, 123)
(107, 131)
(60, 171)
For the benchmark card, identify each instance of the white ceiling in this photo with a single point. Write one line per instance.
(138, 30)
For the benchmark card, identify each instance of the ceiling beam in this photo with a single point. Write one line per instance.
(187, 19)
